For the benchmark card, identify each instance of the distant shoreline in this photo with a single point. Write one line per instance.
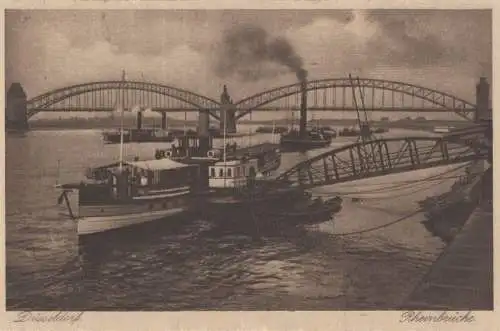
(99, 124)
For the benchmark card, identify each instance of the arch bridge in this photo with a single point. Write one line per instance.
(337, 95)
(379, 157)
(105, 95)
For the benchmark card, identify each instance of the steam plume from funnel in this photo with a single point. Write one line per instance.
(247, 49)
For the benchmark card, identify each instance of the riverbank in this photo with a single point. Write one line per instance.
(446, 214)
(462, 276)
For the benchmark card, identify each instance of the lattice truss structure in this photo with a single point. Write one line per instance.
(105, 96)
(336, 95)
(386, 156)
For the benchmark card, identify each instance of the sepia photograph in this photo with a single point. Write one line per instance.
(249, 160)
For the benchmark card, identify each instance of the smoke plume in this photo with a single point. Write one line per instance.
(251, 54)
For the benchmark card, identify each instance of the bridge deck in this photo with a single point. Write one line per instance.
(462, 277)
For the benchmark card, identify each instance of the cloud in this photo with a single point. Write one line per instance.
(62, 64)
(440, 49)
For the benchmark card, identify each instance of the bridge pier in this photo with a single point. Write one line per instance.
(483, 111)
(163, 120)
(227, 113)
(139, 120)
(16, 113)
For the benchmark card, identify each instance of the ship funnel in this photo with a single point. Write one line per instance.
(303, 108)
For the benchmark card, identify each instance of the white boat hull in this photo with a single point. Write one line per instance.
(96, 224)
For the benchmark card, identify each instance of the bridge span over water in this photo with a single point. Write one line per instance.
(337, 94)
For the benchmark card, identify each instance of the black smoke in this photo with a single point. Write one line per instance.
(250, 53)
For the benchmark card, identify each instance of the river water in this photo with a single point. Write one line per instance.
(192, 266)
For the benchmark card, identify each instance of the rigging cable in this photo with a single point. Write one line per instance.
(375, 228)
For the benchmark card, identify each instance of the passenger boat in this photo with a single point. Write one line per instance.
(138, 135)
(292, 141)
(129, 193)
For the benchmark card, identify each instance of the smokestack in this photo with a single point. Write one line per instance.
(303, 108)
(139, 120)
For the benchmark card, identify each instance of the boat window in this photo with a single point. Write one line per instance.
(212, 172)
(229, 172)
(221, 172)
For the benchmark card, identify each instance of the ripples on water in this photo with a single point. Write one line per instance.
(191, 265)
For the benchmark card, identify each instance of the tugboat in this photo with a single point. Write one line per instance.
(292, 141)
(138, 135)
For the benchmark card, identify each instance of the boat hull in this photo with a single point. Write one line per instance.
(298, 144)
(136, 136)
(266, 210)
(98, 224)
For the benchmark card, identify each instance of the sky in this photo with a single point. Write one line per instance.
(47, 49)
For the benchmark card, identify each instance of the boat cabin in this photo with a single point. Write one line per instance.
(232, 173)
(139, 180)
(188, 145)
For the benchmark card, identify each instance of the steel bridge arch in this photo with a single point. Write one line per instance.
(43, 101)
(445, 100)
(356, 161)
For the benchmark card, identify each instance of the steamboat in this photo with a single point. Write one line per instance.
(294, 141)
(138, 135)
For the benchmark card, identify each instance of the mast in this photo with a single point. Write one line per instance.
(121, 122)
(274, 129)
(355, 103)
